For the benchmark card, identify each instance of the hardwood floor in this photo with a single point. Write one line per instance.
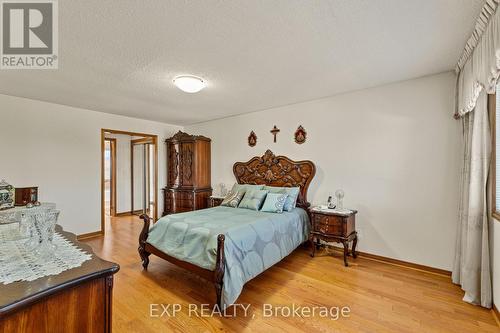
(381, 297)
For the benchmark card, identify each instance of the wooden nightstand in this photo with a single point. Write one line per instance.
(214, 201)
(331, 226)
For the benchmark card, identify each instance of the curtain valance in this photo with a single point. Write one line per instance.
(479, 66)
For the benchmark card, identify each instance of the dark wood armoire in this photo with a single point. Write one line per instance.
(188, 173)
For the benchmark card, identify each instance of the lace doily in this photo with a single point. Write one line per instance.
(17, 263)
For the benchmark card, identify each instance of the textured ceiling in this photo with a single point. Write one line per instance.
(119, 56)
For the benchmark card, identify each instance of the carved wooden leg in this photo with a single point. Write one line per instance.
(144, 257)
(142, 241)
(354, 243)
(218, 292)
(318, 244)
(346, 252)
(313, 246)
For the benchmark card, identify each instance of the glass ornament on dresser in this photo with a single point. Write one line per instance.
(27, 228)
(47, 223)
(41, 227)
(340, 198)
(7, 195)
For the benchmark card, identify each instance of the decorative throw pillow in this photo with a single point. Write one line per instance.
(291, 200)
(233, 199)
(274, 203)
(253, 199)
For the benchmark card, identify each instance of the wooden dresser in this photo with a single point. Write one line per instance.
(188, 173)
(334, 227)
(76, 300)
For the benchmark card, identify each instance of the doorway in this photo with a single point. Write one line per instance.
(142, 184)
(129, 175)
(110, 176)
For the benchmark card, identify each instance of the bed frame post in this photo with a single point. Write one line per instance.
(142, 241)
(219, 269)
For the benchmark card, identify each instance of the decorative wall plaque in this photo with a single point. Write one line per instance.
(300, 135)
(252, 139)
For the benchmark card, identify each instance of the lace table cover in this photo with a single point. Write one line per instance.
(17, 263)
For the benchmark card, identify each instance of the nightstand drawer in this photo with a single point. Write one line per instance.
(331, 229)
(327, 219)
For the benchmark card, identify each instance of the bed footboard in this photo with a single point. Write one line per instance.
(216, 276)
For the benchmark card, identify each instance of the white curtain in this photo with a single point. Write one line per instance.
(479, 66)
(471, 268)
(478, 71)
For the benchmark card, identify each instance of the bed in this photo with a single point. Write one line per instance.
(230, 246)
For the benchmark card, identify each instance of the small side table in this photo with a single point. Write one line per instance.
(332, 226)
(214, 201)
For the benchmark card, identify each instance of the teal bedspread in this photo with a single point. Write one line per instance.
(254, 241)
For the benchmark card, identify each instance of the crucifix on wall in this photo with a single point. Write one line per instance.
(274, 132)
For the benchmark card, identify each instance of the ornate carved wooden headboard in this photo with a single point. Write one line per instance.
(277, 171)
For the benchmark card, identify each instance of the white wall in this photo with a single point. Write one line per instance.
(58, 148)
(395, 150)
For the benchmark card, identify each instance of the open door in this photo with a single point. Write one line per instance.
(143, 171)
(110, 176)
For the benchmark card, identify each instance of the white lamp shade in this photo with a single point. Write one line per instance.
(189, 83)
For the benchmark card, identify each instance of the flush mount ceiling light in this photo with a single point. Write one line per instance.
(189, 83)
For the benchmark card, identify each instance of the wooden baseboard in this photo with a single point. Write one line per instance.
(90, 235)
(406, 264)
(496, 314)
(397, 262)
(123, 214)
(135, 212)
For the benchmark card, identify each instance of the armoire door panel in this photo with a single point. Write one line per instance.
(173, 165)
(187, 164)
